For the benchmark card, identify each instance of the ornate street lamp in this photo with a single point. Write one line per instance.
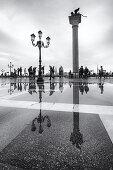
(40, 44)
(2, 71)
(10, 66)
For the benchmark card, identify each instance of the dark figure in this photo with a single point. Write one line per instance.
(34, 72)
(101, 73)
(15, 72)
(20, 71)
(19, 86)
(86, 72)
(61, 88)
(81, 71)
(86, 88)
(30, 71)
(72, 13)
(32, 87)
(101, 87)
(81, 88)
(61, 71)
(42, 70)
(76, 10)
(70, 74)
(51, 72)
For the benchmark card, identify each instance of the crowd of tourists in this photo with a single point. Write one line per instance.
(84, 72)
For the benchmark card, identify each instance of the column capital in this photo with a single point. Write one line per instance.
(75, 19)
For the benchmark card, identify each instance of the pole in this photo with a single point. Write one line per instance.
(40, 78)
(39, 62)
(10, 69)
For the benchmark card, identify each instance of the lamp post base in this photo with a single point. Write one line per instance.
(40, 80)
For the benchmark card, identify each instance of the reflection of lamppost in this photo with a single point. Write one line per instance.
(10, 66)
(40, 44)
(10, 91)
(40, 119)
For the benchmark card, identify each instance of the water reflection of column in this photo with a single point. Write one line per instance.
(76, 137)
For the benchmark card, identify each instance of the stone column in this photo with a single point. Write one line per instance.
(74, 20)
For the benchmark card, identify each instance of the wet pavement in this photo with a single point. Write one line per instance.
(64, 124)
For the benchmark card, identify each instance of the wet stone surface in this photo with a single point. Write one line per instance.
(57, 140)
(53, 149)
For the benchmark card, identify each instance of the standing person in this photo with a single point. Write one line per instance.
(30, 70)
(34, 72)
(42, 70)
(20, 71)
(15, 72)
(101, 72)
(50, 69)
(53, 72)
(61, 71)
(86, 71)
(81, 71)
(70, 74)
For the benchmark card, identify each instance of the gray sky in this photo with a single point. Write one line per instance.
(20, 18)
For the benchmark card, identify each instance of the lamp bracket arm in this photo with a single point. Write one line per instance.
(34, 44)
(45, 46)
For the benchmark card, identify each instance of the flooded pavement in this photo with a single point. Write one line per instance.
(64, 124)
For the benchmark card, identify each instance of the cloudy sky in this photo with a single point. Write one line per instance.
(20, 18)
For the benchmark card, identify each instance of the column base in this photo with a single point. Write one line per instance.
(75, 75)
(40, 80)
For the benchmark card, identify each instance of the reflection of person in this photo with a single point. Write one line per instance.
(86, 88)
(19, 86)
(61, 71)
(52, 88)
(51, 72)
(101, 86)
(32, 87)
(86, 72)
(61, 86)
(101, 73)
(81, 88)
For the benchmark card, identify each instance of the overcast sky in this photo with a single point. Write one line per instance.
(20, 18)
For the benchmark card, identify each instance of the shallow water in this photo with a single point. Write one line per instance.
(68, 128)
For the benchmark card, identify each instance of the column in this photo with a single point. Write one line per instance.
(74, 20)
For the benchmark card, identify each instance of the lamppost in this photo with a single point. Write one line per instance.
(10, 66)
(2, 71)
(40, 44)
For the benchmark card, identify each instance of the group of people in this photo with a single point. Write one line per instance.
(84, 72)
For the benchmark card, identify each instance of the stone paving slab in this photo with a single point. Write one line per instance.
(53, 150)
